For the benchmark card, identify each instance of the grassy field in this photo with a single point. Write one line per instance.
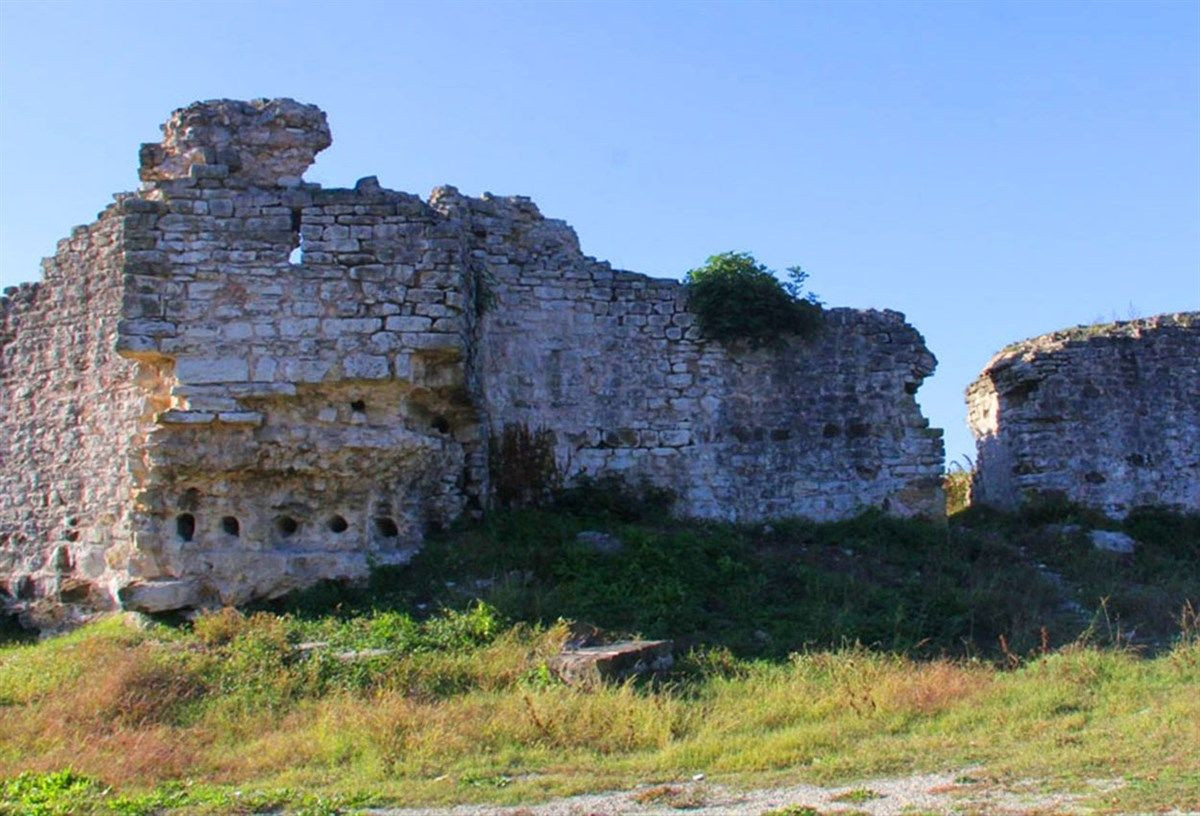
(824, 653)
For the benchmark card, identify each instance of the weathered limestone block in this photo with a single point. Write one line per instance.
(266, 141)
(613, 662)
(1113, 541)
(1105, 416)
(160, 595)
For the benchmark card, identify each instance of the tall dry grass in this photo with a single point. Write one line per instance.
(140, 708)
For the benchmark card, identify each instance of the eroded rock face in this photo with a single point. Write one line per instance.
(196, 414)
(1105, 416)
(268, 142)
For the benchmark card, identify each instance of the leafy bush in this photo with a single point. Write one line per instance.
(737, 298)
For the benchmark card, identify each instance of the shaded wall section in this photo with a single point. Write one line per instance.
(72, 414)
(1105, 416)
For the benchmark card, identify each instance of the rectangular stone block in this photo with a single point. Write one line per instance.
(186, 417)
(302, 371)
(408, 323)
(212, 369)
(365, 367)
(240, 417)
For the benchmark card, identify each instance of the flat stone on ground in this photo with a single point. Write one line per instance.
(612, 662)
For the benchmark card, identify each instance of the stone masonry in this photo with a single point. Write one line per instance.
(1104, 416)
(235, 383)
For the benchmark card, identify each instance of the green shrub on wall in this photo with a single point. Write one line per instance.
(737, 298)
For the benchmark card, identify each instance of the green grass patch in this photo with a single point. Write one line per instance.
(983, 585)
(822, 653)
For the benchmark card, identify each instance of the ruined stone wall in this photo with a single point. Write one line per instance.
(1105, 416)
(70, 411)
(614, 366)
(236, 384)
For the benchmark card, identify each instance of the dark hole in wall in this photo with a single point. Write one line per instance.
(74, 591)
(231, 526)
(358, 407)
(286, 526)
(1093, 477)
(1020, 392)
(830, 430)
(857, 430)
(338, 524)
(441, 424)
(185, 526)
(386, 527)
(24, 588)
(911, 388)
(742, 433)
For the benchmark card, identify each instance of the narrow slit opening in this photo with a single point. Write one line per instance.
(297, 253)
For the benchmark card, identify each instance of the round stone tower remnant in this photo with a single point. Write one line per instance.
(1105, 416)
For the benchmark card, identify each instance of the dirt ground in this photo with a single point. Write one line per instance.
(946, 794)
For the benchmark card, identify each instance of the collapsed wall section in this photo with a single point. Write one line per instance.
(1104, 416)
(614, 367)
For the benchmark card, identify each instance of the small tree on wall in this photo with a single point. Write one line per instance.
(737, 298)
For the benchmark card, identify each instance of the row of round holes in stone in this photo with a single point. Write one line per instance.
(185, 526)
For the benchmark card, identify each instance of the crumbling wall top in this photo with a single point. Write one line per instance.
(268, 142)
(1046, 344)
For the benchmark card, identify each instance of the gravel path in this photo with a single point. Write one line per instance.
(944, 793)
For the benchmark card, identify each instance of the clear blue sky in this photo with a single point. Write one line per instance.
(993, 170)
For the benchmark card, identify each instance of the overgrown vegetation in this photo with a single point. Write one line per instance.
(766, 591)
(818, 652)
(522, 467)
(956, 484)
(737, 298)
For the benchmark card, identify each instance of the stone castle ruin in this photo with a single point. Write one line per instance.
(235, 383)
(1107, 417)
